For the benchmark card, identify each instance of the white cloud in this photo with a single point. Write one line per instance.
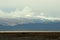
(22, 17)
(43, 16)
(25, 12)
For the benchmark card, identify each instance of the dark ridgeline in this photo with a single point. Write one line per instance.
(30, 36)
(33, 26)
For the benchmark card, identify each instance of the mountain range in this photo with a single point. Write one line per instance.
(33, 24)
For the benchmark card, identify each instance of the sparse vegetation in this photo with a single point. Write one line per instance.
(30, 36)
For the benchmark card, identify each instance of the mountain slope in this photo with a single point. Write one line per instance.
(30, 23)
(35, 26)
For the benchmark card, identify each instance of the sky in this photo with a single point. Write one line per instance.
(29, 9)
(48, 7)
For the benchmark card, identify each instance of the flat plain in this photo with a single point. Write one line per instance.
(30, 35)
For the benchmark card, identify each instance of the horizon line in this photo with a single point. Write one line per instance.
(25, 31)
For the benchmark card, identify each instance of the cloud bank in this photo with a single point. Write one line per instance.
(24, 16)
(17, 13)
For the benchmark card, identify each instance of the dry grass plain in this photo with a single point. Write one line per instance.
(30, 36)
